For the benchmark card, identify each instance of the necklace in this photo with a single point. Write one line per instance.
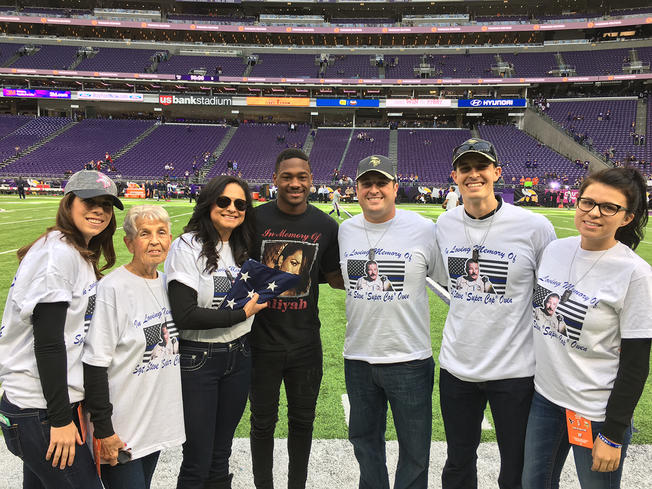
(152, 292)
(571, 287)
(372, 249)
(476, 248)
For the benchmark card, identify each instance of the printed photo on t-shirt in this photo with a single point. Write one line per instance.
(376, 275)
(552, 314)
(292, 257)
(161, 339)
(482, 275)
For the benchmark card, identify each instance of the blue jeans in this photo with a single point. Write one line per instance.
(301, 371)
(408, 388)
(547, 446)
(462, 409)
(28, 437)
(215, 380)
(136, 474)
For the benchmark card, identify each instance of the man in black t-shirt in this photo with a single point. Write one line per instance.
(296, 237)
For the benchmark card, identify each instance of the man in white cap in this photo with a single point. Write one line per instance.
(387, 350)
(487, 352)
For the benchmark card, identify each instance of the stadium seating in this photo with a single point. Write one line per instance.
(49, 57)
(615, 132)
(515, 147)
(119, 59)
(178, 144)
(427, 152)
(254, 146)
(182, 65)
(327, 152)
(286, 65)
(31, 131)
(361, 148)
(70, 151)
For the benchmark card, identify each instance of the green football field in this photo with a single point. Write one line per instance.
(23, 221)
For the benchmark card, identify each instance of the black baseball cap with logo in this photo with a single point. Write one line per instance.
(478, 146)
(87, 184)
(381, 164)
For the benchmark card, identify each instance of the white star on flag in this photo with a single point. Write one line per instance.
(244, 276)
(251, 293)
(271, 286)
(230, 303)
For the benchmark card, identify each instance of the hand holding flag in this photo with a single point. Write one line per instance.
(256, 278)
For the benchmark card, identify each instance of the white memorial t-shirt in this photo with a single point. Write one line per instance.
(52, 271)
(133, 334)
(611, 300)
(487, 335)
(185, 265)
(389, 326)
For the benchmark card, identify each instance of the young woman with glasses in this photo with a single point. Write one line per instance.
(214, 348)
(589, 377)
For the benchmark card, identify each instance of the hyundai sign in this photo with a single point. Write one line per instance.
(492, 102)
(347, 102)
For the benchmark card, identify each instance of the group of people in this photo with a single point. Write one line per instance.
(138, 342)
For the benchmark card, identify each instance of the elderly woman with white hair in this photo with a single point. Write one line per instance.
(131, 360)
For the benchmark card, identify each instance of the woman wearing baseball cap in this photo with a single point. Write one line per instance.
(46, 317)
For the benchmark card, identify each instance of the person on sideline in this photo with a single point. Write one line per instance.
(46, 317)
(121, 374)
(451, 201)
(337, 196)
(486, 352)
(387, 350)
(600, 369)
(286, 345)
(214, 348)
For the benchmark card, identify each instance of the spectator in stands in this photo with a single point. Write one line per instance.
(118, 336)
(381, 368)
(49, 305)
(286, 346)
(214, 346)
(487, 228)
(602, 378)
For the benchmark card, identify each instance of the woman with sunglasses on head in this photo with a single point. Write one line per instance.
(589, 377)
(214, 347)
(46, 318)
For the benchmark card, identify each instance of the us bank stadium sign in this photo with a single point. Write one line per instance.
(193, 100)
(492, 102)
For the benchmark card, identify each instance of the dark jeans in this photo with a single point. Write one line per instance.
(301, 371)
(28, 437)
(547, 446)
(462, 408)
(214, 382)
(407, 386)
(136, 474)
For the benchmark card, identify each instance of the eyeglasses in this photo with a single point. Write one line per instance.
(606, 208)
(223, 202)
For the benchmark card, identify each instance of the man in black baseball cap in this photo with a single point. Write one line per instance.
(486, 352)
(386, 255)
(87, 184)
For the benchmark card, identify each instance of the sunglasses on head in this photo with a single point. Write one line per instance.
(480, 146)
(223, 202)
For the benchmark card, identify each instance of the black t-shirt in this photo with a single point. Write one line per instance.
(305, 245)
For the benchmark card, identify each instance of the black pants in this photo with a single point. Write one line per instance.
(301, 372)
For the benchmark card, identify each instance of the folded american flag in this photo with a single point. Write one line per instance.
(254, 277)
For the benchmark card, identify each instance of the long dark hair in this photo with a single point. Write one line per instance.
(242, 237)
(99, 245)
(632, 184)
